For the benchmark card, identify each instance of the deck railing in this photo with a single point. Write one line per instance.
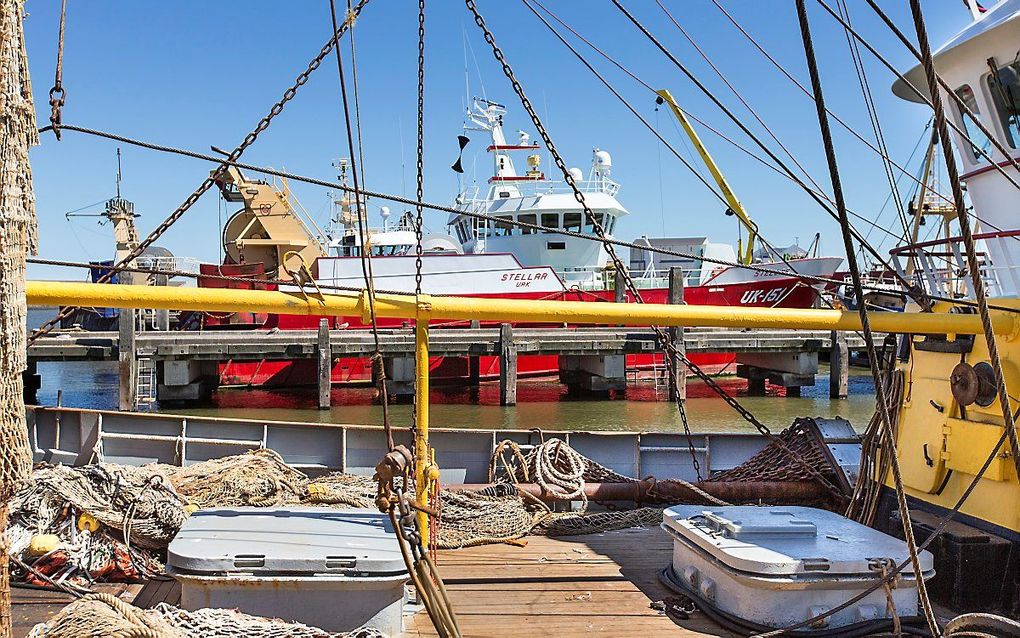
(940, 266)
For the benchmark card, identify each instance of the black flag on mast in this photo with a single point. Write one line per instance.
(463, 141)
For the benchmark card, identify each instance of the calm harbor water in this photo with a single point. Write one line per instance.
(542, 404)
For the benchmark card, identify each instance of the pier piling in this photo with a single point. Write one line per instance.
(839, 367)
(678, 378)
(325, 359)
(507, 366)
(128, 360)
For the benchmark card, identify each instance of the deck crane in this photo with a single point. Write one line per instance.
(745, 252)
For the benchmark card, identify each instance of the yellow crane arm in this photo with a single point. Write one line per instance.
(746, 254)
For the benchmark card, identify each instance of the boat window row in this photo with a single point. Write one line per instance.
(505, 225)
(1003, 87)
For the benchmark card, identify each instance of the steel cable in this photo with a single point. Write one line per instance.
(223, 164)
(916, 292)
(873, 358)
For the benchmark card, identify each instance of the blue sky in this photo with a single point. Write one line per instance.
(192, 74)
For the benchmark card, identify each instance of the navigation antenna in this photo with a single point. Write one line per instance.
(118, 172)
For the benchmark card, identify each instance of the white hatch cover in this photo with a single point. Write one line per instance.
(306, 540)
(785, 540)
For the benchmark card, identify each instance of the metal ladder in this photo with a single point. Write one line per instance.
(145, 387)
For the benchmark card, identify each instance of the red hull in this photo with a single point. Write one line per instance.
(785, 293)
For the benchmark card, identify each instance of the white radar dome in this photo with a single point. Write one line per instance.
(384, 212)
(576, 174)
(603, 159)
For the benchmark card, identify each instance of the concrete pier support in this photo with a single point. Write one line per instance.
(324, 356)
(507, 366)
(127, 360)
(182, 381)
(791, 370)
(399, 376)
(839, 367)
(678, 378)
(594, 373)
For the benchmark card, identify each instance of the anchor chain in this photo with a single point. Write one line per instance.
(670, 350)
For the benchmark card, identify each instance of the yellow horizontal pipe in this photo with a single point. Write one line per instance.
(45, 293)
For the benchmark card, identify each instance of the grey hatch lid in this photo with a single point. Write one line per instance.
(781, 540)
(308, 540)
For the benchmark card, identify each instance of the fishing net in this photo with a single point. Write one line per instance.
(774, 463)
(571, 524)
(494, 515)
(17, 239)
(337, 488)
(105, 523)
(259, 478)
(106, 616)
(229, 623)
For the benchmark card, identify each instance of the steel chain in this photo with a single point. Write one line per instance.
(665, 342)
(420, 190)
(600, 232)
(249, 139)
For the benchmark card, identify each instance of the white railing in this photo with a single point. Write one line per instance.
(940, 266)
(593, 279)
(532, 188)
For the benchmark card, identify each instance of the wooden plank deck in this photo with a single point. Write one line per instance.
(565, 587)
(32, 606)
(569, 586)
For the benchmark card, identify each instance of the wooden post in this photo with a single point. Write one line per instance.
(839, 367)
(128, 367)
(678, 380)
(507, 366)
(474, 371)
(18, 238)
(325, 357)
(619, 288)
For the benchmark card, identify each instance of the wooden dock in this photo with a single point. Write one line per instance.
(591, 358)
(601, 584)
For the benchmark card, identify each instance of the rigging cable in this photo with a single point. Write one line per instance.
(927, 100)
(737, 94)
(214, 176)
(789, 76)
(968, 239)
(673, 353)
(876, 124)
(765, 270)
(365, 251)
(914, 291)
(765, 243)
(57, 93)
(357, 97)
(873, 357)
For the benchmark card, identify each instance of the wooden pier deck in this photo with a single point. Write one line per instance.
(600, 584)
(254, 345)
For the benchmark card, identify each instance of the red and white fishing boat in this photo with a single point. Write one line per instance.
(486, 258)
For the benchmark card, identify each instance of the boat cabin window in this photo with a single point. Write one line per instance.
(528, 218)
(979, 141)
(1004, 86)
(551, 220)
(572, 221)
(589, 228)
(504, 228)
